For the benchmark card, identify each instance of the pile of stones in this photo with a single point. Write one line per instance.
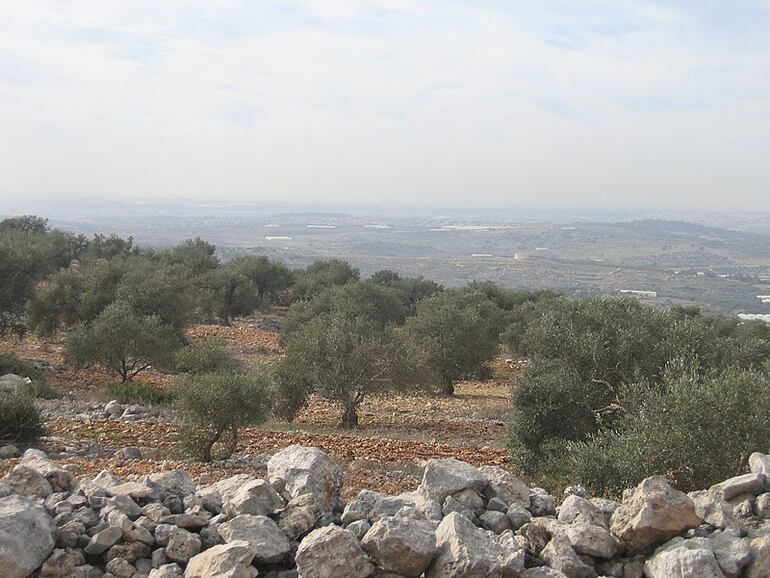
(460, 522)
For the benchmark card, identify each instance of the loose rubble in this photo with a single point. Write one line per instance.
(461, 521)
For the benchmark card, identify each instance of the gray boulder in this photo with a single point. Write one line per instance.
(166, 571)
(447, 476)
(260, 531)
(256, 497)
(560, 556)
(60, 479)
(506, 486)
(746, 484)
(681, 558)
(332, 551)
(298, 470)
(27, 536)
(28, 482)
(401, 545)
(182, 545)
(10, 383)
(465, 551)
(213, 496)
(223, 561)
(176, 482)
(652, 513)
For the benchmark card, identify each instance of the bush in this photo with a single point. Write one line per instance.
(551, 403)
(459, 333)
(19, 418)
(206, 357)
(39, 387)
(213, 406)
(12, 364)
(696, 431)
(138, 392)
(123, 341)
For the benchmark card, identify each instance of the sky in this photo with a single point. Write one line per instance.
(446, 102)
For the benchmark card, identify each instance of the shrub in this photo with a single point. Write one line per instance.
(139, 392)
(343, 359)
(39, 387)
(12, 364)
(213, 406)
(696, 431)
(123, 341)
(551, 402)
(459, 333)
(19, 418)
(206, 357)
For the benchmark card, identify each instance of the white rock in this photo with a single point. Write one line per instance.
(299, 470)
(447, 476)
(401, 545)
(651, 513)
(332, 551)
(465, 551)
(27, 535)
(223, 561)
(260, 531)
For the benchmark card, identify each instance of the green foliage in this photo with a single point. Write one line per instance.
(382, 305)
(12, 364)
(322, 275)
(19, 419)
(194, 256)
(695, 430)
(139, 392)
(459, 333)
(342, 359)
(213, 406)
(584, 355)
(25, 224)
(123, 341)
(74, 295)
(206, 357)
(269, 277)
(226, 293)
(104, 247)
(27, 254)
(152, 289)
(410, 290)
(551, 402)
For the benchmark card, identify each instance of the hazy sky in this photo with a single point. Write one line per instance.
(461, 102)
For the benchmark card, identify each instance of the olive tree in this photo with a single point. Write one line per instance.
(226, 293)
(123, 342)
(459, 333)
(214, 406)
(343, 359)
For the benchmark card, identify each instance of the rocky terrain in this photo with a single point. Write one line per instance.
(461, 521)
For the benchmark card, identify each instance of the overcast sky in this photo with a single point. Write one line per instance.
(616, 102)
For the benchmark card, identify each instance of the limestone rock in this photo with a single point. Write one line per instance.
(231, 560)
(260, 531)
(401, 545)
(678, 559)
(506, 486)
(256, 497)
(299, 470)
(27, 535)
(562, 557)
(651, 513)
(447, 476)
(332, 551)
(28, 482)
(463, 550)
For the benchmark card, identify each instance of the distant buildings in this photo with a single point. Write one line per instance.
(638, 293)
(754, 317)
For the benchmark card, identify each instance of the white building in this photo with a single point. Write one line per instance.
(638, 293)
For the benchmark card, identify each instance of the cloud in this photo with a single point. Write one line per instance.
(494, 101)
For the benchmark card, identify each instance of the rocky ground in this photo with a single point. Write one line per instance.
(292, 522)
(397, 433)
